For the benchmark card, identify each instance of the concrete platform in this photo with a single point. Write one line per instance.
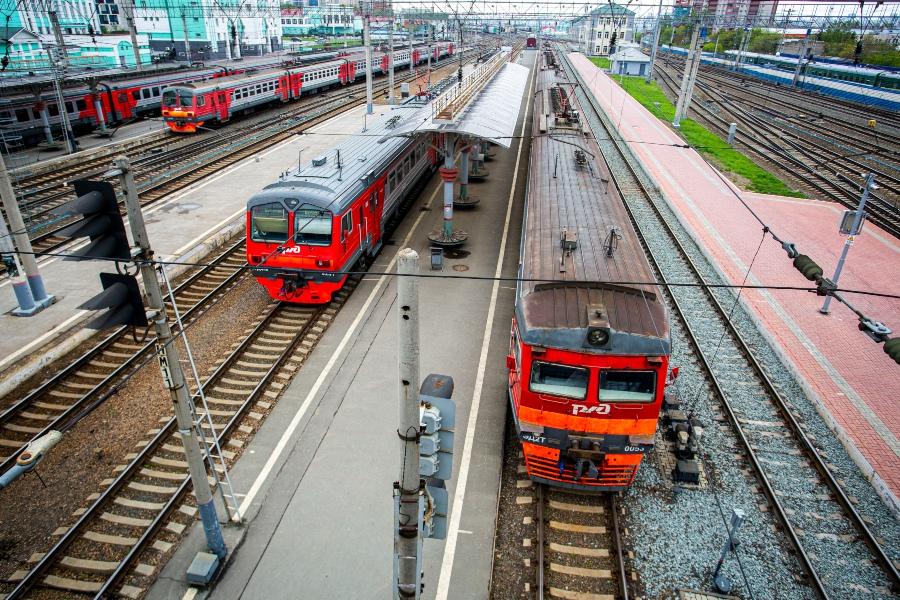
(846, 372)
(317, 477)
(182, 227)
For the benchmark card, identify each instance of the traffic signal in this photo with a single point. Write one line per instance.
(101, 222)
(122, 297)
(437, 415)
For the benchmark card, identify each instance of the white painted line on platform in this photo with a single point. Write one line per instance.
(190, 594)
(40, 341)
(443, 586)
(326, 371)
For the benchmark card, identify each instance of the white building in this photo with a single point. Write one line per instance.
(629, 60)
(598, 32)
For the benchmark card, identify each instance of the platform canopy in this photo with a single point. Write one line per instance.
(486, 110)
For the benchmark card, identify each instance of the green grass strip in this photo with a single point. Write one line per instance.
(706, 142)
(600, 61)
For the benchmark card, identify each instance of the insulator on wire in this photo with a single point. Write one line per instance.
(808, 267)
(892, 349)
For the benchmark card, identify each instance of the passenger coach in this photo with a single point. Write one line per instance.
(589, 348)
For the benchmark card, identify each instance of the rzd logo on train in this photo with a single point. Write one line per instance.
(583, 409)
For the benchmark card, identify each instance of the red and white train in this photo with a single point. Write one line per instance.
(588, 356)
(307, 229)
(187, 107)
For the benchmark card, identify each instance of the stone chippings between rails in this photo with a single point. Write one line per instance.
(692, 525)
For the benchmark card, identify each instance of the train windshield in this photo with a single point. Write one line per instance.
(312, 227)
(168, 98)
(559, 380)
(269, 223)
(627, 386)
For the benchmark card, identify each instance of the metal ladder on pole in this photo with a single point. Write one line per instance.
(213, 456)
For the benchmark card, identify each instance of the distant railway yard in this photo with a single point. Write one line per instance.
(467, 316)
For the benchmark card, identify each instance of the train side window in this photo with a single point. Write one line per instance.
(559, 380)
(201, 100)
(136, 94)
(269, 223)
(145, 93)
(392, 182)
(70, 107)
(155, 92)
(80, 104)
(22, 115)
(53, 109)
(627, 386)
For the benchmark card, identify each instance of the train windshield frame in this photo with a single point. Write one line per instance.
(269, 223)
(626, 386)
(555, 379)
(313, 227)
(169, 98)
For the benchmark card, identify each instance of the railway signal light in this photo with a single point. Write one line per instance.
(437, 415)
(102, 222)
(122, 297)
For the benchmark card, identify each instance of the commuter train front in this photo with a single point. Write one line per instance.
(307, 230)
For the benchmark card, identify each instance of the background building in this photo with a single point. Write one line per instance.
(29, 52)
(598, 30)
(729, 13)
(75, 16)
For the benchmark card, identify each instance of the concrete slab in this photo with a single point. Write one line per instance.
(317, 477)
(182, 227)
(834, 359)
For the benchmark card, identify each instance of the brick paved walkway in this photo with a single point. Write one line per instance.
(850, 374)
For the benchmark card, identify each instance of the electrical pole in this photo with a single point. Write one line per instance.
(187, 38)
(680, 106)
(35, 282)
(800, 59)
(741, 48)
(368, 44)
(409, 32)
(407, 525)
(58, 34)
(656, 32)
(10, 260)
(128, 9)
(695, 66)
(169, 359)
(71, 144)
(854, 231)
(391, 60)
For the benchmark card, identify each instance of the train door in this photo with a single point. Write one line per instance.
(222, 106)
(376, 207)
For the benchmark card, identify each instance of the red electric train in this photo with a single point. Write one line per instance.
(589, 355)
(317, 222)
(186, 108)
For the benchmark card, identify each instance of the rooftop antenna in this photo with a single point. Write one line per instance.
(339, 165)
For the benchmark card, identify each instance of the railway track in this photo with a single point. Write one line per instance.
(96, 374)
(835, 548)
(159, 174)
(113, 546)
(826, 171)
(579, 546)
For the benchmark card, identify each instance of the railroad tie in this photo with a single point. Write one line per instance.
(581, 571)
(87, 565)
(576, 528)
(596, 510)
(572, 595)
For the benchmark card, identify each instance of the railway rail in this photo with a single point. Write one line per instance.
(159, 173)
(836, 555)
(111, 548)
(579, 546)
(96, 374)
(825, 169)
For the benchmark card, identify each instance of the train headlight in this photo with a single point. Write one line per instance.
(598, 337)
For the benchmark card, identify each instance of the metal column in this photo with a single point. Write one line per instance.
(45, 121)
(98, 107)
(408, 534)
(128, 9)
(680, 108)
(857, 219)
(656, 30)
(368, 43)
(800, 60)
(187, 38)
(391, 97)
(169, 358)
(447, 236)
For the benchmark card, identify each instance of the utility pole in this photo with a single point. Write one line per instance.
(58, 34)
(409, 33)
(853, 232)
(128, 9)
(391, 60)
(368, 44)
(26, 258)
(53, 54)
(408, 535)
(695, 66)
(683, 92)
(9, 258)
(169, 359)
(656, 29)
(187, 38)
(740, 53)
(800, 59)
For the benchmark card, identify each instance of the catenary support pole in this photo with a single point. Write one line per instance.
(695, 66)
(9, 258)
(187, 37)
(57, 64)
(367, 41)
(408, 423)
(21, 240)
(799, 68)
(45, 121)
(170, 364)
(409, 33)
(128, 9)
(656, 31)
(391, 91)
(857, 219)
(58, 34)
(98, 108)
(680, 110)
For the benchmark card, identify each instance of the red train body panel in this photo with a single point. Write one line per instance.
(589, 357)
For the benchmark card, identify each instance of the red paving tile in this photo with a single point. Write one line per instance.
(849, 373)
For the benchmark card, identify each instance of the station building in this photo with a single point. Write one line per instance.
(596, 31)
(29, 52)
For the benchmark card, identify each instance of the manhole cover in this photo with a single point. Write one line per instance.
(456, 253)
(460, 268)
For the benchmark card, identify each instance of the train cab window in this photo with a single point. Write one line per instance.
(346, 224)
(312, 227)
(269, 223)
(627, 386)
(186, 99)
(168, 98)
(559, 380)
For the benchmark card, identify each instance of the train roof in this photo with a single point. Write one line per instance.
(333, 180)
(564, 295)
